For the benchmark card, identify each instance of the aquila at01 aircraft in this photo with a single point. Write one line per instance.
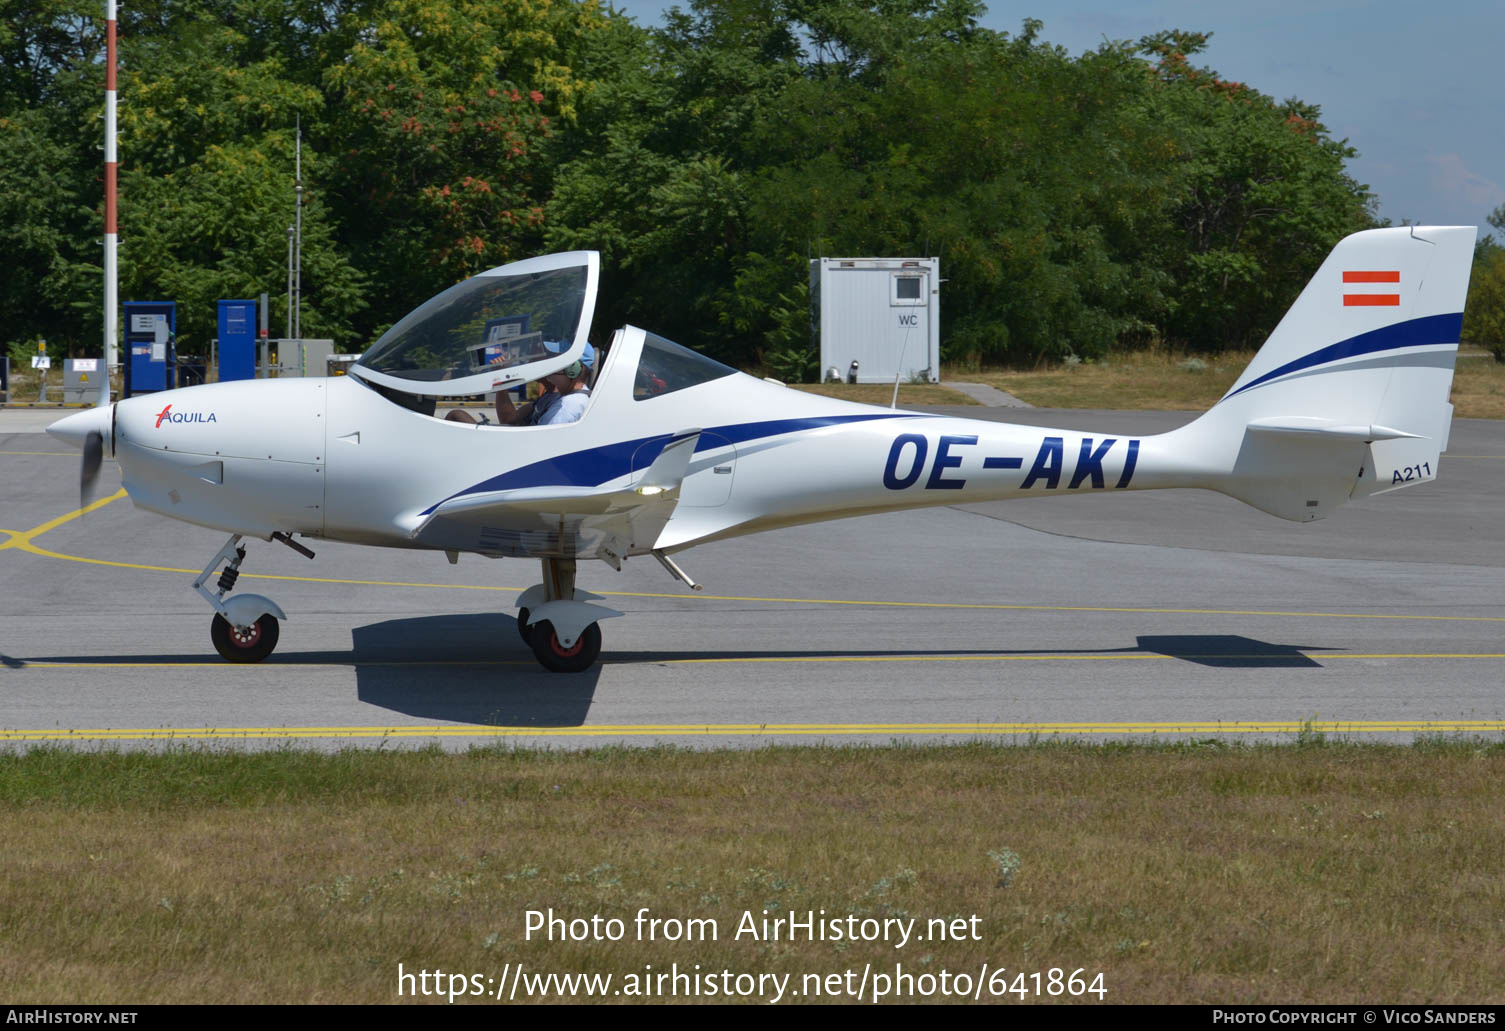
(1348, 397)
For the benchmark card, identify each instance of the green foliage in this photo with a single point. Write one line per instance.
(1484, 313)
(20, 353)
(1260, 197)
(47, 226)
(793, 364)
(656, 175)
(1078, 204)
(205, 196)
(440, 112)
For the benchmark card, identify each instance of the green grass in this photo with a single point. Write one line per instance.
(1317, 871)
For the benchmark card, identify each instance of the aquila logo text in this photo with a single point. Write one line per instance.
(168, 415)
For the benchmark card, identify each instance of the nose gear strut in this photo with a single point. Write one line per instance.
(245, 627)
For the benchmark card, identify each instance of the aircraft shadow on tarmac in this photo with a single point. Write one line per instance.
(471, 668)
(1230, 651)
(1226, 651)
(456, 668)
(475, 668)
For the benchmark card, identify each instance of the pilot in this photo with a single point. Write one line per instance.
(566, 392)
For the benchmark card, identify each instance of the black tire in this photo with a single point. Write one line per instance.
(523, 629)
(250, 645)
(557, 659)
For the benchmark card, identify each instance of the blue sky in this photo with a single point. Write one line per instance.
(1416, 87)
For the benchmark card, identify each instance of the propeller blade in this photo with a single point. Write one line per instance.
(94, 452)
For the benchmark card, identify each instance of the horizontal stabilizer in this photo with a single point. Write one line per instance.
(1312, 426)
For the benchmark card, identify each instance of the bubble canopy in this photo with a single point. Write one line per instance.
(511, 325)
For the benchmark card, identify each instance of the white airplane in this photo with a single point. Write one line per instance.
(1348, 397)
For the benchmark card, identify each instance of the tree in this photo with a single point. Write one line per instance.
(1484, 313)
(655, 174)
(1262, 196)
(206, 187)
(1028, 173)
(49, 164)
(439, 113)
(1078, 204)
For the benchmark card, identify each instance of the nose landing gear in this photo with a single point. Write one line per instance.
(245, 627)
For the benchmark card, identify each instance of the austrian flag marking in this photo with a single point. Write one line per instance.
(1372, 297)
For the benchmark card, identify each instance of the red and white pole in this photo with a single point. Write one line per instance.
(112, 358)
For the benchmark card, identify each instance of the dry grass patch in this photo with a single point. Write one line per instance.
(1159, 380)
(1168, 381)
(1479, 387)
(882, 394)
(1183, 874)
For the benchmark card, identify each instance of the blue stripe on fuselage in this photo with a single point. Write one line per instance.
(1422, 332)
(597, 465)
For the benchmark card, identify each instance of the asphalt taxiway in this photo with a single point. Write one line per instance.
(1169, 613)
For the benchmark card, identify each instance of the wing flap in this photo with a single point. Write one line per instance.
(566, 520)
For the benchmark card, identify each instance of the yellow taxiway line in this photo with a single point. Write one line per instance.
(22, 539)
(440, 731)
(1254, 660)
(25, 541)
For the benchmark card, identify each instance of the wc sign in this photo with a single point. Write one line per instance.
(909, 320)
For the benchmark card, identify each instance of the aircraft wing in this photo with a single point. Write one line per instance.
(585, 522)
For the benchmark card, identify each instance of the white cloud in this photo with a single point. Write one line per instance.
(1451, 176)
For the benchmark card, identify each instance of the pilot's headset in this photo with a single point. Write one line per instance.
(573, 369)
(587, 363)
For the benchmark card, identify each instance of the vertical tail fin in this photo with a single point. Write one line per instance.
(1349, 396)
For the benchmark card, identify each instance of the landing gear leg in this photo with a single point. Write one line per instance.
(245, 627)
(558, 622)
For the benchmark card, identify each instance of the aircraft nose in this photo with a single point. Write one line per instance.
(75, 429)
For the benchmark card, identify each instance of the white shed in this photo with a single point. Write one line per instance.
(882, 313)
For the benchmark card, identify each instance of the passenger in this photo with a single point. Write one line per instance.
(564, 398)
(565, 395)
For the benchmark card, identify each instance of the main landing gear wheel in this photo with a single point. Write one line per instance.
(523, 629)
(252, 643)
(558, 659)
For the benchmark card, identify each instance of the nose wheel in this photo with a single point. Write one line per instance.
(250, 643)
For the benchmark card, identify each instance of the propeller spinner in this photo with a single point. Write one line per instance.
(91, 432)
